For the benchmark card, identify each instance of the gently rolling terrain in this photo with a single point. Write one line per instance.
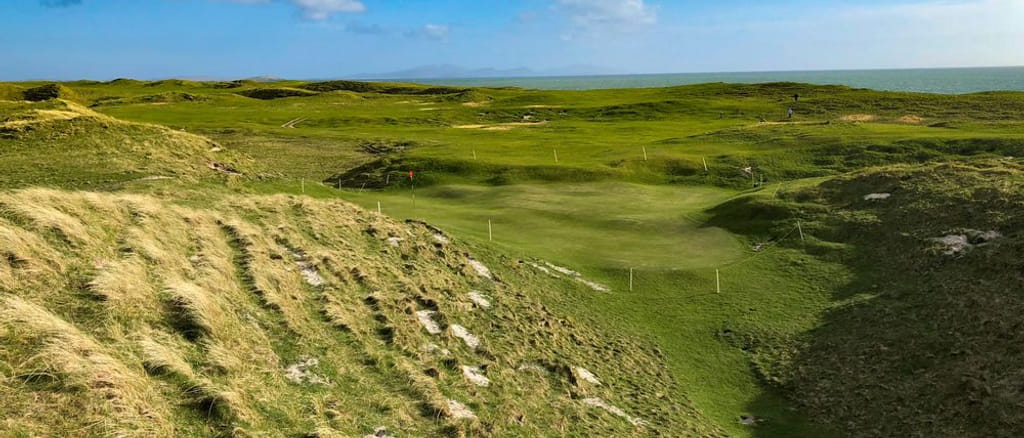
(680, 261)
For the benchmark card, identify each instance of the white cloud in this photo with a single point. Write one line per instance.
(318, 9)
(431, 31)
(600, 16)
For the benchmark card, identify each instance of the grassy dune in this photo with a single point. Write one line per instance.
(177, 275)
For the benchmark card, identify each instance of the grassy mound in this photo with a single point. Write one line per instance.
(63, 144)
(285, 316)
(49, 91)
(921, 341)
(161, 98)
(11, 92)
(381, 87)
(275, 93)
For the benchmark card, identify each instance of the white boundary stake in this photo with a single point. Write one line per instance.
(645, 152)
(801, 229)
(303, 185)
(630, 279)
(718, 283)
(378, 207)
(705, 163)
(490, 233)
(556, 154)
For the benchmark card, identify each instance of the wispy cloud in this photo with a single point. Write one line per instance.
(607, 16)
(360, 28)
(430, 31)
(314, 9)
(59, 3)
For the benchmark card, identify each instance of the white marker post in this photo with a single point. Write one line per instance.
(490, 233)
(705, 163)
(303, 185)
(801, 229)
(631, 279)
(556, 154)
(378, 207)
(645, 152)
(718, 283)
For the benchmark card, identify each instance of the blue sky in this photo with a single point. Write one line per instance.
(104, 39)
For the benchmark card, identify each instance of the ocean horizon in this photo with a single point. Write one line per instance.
(925, 80)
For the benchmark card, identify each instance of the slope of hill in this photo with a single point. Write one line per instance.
(922, 340)
(63, 144)
(134, 316)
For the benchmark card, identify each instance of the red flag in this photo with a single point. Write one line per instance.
(410, 174)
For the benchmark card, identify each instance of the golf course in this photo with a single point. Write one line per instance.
(349, 258)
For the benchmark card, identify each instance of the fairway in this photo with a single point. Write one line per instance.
(603, 226)
(603, 230)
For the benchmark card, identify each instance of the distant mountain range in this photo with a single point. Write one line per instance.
(448, 71)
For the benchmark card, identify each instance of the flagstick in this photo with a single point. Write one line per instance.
(645, 152)
(303, 185)
(705, 163)
(801, 229)
(718, 283)
(556, 154)
(630, 279)
(378, 207)
(490, 234)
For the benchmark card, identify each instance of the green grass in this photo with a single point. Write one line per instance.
(792, 337)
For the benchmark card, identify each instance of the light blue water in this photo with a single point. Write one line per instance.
(946, 80)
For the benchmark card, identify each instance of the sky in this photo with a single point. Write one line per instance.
(319, 39)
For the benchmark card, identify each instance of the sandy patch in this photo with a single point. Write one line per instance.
(475, 375)
(380, 432)
(302, 372)
(876, 196)
(426, 318)
(750, 420)
(571, 274)
(441, 238)
(479, 299)
(308, 270)
(500, 126)
(614, 410)
(435, 349)
(911, 119)
(587, 376)
(458, 410)
(531, 367)
(460, 332)
(960, 243)
(480, 269)
(858, 118)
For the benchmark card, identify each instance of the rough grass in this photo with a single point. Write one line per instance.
(197, 316)
(60, 143)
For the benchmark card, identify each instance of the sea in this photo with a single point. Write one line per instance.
(933, 80)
